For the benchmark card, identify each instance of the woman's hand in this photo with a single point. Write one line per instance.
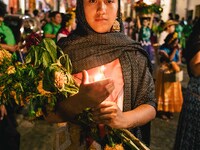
(3, 112)
(90, 95)
(109, 113)
(96, 92)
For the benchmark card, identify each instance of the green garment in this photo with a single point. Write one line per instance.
(179, 30)
(7, 33)
(51, 28)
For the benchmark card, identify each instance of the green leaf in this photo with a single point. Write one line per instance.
(51, 47)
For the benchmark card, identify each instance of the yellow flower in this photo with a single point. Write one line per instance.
(41, 90)
(4, 54)
(116, 147)
(60, 79)
(39, 112)
(10, 70)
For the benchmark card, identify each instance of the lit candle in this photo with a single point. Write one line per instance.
(100, 75)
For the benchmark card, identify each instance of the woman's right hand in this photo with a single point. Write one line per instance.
(96, 92)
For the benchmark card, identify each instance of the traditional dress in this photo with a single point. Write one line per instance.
(188, 131)
(168, 94)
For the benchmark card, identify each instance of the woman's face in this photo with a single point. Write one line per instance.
(171, 28)
(101, 14)
(57, 19)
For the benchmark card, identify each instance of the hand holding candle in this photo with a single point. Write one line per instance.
(93, 93)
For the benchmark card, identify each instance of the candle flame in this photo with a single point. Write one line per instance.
(100, 74)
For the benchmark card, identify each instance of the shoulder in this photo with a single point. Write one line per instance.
(6, 27)
(48, 25)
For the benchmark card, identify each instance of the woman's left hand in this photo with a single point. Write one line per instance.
(109, 113)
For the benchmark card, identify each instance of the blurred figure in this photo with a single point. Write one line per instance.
(169, 93)
(9, 136)
(44, 18)
(7, 39)
(37, 18)
(68, 25)
(51, 29)
(168, 27)
(188, 131)
(145, 30)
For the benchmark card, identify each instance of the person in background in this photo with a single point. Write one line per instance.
(169, 94)
(168, 27)
(99, 41)
(188, 130)
(68, 25)
(37, 18)
(145, 30)
(7, 39)
(44, 18)
(9, 136)
(51, 29)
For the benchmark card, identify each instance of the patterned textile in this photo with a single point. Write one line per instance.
(188, 131)
(168, 94)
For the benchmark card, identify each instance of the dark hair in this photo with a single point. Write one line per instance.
(2, 9)
(53, 14)
(35, 12)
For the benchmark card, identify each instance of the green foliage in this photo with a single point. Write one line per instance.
(33, 83)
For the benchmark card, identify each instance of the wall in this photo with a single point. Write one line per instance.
(184, 5)
(181, 8)
(166, 4)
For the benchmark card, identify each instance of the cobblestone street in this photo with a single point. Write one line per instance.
(40, 135)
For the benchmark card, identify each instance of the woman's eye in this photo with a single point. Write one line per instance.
(110, 1)
(92, 1)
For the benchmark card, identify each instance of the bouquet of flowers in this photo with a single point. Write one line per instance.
(144, 9)
(37, 84)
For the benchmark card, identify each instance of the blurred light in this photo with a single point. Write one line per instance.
(149, 2)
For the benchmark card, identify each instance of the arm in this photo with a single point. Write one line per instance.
(151, 21)
(68, 109)
(11, 48)
(168, 57)
(195, 65)
(3, 111)
(47, 35)
(139, 23)
(48, 29)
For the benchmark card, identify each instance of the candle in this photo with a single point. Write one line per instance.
(100, 74)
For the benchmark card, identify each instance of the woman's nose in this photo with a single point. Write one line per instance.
(101, 7)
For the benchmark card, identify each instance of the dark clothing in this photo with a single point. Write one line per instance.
(9, 136)
(193, 45)
(188, 131)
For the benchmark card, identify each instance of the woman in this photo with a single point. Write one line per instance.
(145, 30)
(169, 94)
(125, 97)
(67, 26)
(188, 131)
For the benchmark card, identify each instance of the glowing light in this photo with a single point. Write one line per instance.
(100, 75)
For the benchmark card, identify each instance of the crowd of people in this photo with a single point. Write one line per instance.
(129, 50)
